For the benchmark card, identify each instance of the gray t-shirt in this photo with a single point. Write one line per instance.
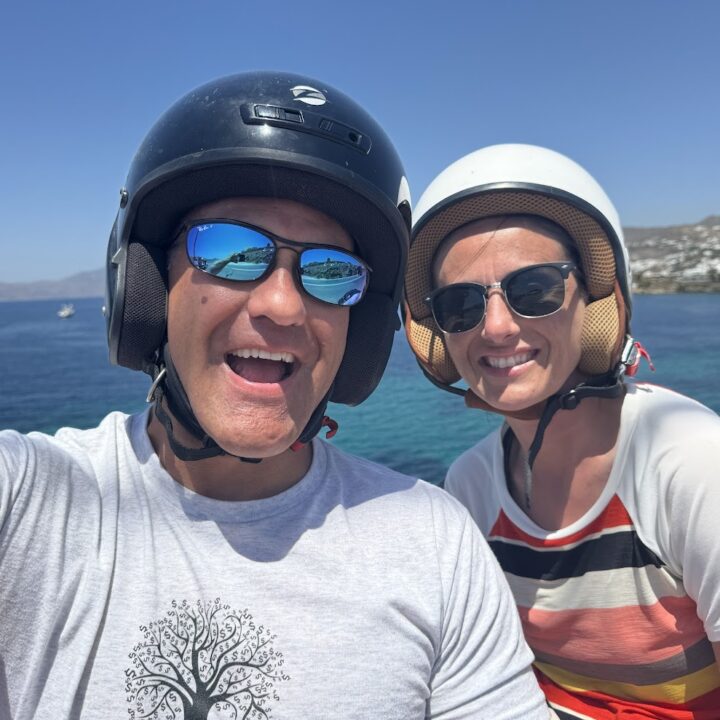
(357, 593)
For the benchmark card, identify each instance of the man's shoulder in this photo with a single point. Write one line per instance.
(338, 459)
(45, 477)
(37, 453)
(425, 526)
(372, 480)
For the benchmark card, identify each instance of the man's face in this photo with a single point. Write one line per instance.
(257, 357)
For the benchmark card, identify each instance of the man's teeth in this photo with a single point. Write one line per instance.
(507, 362)
(264, 355)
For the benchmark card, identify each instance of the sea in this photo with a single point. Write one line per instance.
(55, 372)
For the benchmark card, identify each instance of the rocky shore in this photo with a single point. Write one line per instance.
(677, 259)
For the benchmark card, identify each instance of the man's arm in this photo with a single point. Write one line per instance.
(484, 665)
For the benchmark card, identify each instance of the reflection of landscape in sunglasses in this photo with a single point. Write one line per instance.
(332, 280)
(329, 268)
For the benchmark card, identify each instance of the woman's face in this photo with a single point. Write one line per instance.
(511, 362)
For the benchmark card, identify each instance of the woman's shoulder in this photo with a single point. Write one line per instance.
(655, 396)
(484, 454)
(475, 477)
(660, 416)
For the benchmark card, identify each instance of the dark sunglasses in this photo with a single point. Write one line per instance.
(530, 292)
(240, 252)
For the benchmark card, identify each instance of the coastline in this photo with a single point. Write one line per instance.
(672, 287)
(677, 287)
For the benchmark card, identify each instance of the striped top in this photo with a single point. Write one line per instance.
(620, 607)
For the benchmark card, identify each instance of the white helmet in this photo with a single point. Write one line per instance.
(523, 179)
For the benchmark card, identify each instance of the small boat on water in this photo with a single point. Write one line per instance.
(66, 311)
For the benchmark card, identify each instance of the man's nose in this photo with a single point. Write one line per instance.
(278, 296)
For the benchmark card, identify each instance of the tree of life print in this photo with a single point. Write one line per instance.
(204, 662)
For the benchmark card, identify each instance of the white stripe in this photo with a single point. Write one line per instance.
(574, 713)
(560, 548)
(630, 586)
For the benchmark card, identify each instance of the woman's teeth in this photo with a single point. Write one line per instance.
(508, 361)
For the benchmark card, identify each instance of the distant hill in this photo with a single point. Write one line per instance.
(679, 258)
(81, 285)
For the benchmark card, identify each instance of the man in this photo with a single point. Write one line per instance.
(208, 558)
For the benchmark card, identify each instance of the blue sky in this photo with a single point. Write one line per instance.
(628, 88)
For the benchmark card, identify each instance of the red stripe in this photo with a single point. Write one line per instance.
(605, 707)
(639, 634)
(613, 516)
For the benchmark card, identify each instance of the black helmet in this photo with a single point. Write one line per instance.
(262, 134)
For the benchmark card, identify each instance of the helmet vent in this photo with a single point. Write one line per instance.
(272, 112)
(306, 121)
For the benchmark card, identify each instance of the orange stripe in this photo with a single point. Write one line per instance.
(624, 635)
(613, 516)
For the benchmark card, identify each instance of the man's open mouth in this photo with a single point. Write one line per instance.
(260, 366)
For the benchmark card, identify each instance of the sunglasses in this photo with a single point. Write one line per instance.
(240, 252)
(530, 292)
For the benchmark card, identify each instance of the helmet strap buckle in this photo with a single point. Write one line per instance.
(632, 353)
(327, 422)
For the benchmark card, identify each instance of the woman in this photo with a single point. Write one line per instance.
(600, 496)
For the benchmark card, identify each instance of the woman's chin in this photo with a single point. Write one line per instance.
(511, 402)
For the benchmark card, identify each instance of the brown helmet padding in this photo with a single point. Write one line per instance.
(604, 326)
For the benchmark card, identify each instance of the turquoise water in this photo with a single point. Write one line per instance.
(55, 372)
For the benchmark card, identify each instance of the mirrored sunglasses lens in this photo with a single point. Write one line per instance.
(459, 308)
(333, 276)
(232, 252)
(536, 291)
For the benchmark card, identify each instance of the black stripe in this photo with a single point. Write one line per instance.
(564, 715)
(607, 552)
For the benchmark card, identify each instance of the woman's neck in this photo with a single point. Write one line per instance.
(572, 466)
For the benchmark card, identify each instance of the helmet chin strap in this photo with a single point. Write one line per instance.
(167, 384)
(605, 386)
(609, 385)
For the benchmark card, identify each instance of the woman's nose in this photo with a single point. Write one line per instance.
(500, 322)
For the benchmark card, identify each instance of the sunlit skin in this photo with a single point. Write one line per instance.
(544, 352)
(210, 318)
(572, 467)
